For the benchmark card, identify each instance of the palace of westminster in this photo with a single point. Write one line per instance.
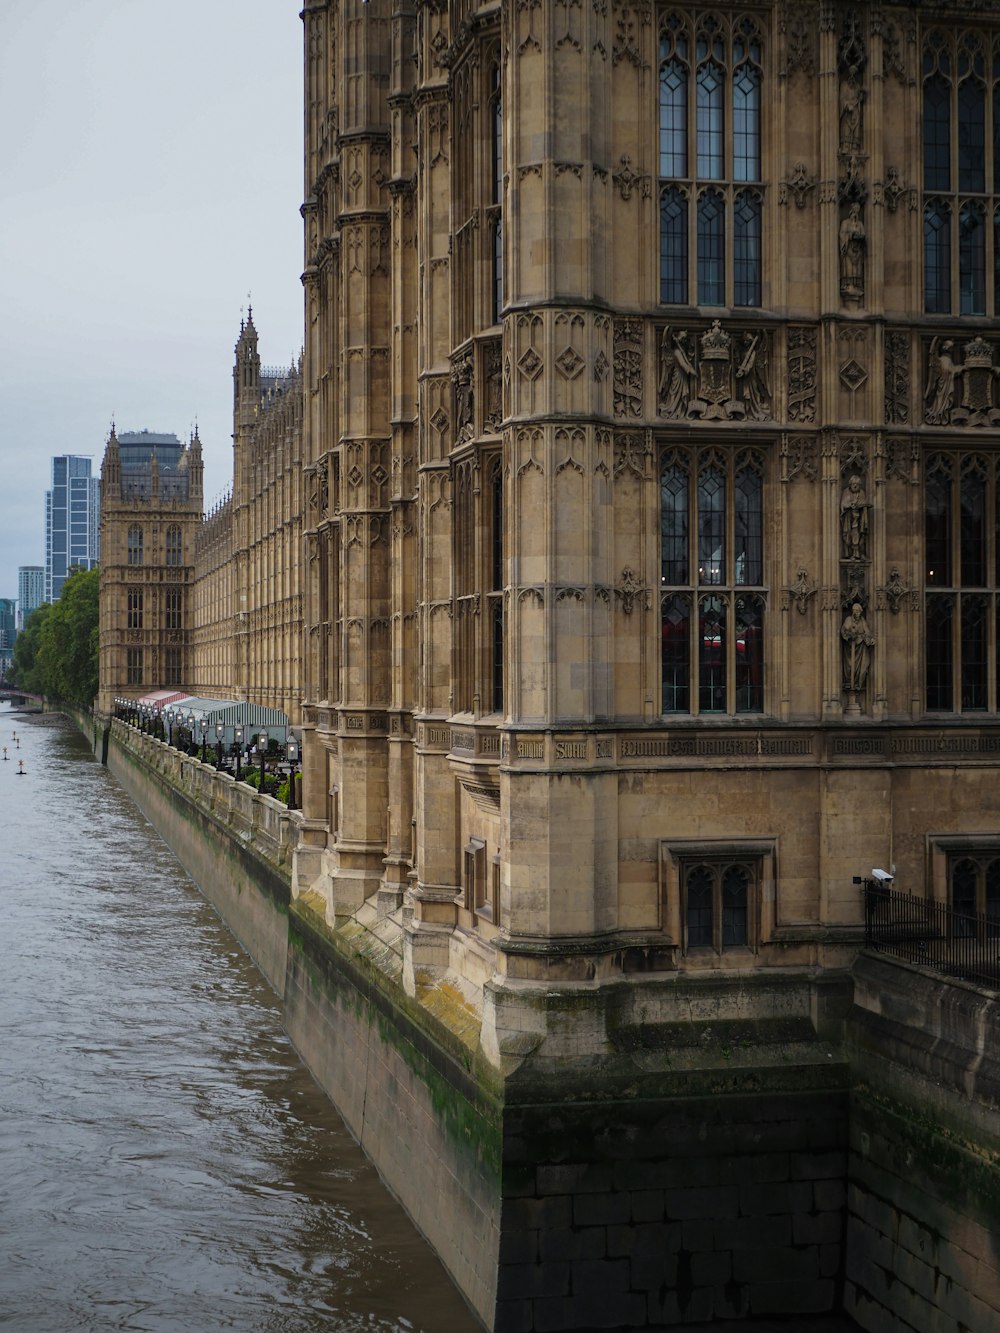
(626, 543)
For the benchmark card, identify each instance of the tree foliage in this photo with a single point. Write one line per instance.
(56, 654)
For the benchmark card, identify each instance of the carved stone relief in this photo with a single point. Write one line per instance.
(799, 31)
(897, 379)
(798, 457)
(801, 374)
(802, 590)
(977, 373)
(799, 184)
(711, 379)
(628, 368)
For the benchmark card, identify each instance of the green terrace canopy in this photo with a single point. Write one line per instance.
(253, 718)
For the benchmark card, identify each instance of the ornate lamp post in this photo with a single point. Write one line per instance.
(203, 725)
(170, 726)
(238, 748)
(292, 754)
(220, 731)
(193, 744)
(262, 751)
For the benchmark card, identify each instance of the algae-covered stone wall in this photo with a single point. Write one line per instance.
(651, 1210)
(923, 1231)
(432, 1128)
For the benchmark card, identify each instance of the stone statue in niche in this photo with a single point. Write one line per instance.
(677, 374)
(851, 118)
(853, 520)
(852, 255)
(752, 377)
(857, 647)
(493, 406)
(461, 377)
(939, 392)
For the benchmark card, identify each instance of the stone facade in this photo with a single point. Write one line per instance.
(151, 501)
(233, 629)
(629, 450)
(646, 530)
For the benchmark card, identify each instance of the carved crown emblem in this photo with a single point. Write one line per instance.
(716, 343)
(978, 354)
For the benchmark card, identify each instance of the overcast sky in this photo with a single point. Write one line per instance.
(150, 177)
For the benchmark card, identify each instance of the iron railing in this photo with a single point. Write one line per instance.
(956, 944)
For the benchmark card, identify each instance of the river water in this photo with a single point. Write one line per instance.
(166, 1162)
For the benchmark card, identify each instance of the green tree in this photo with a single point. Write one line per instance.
(24, 670)
(60, 657)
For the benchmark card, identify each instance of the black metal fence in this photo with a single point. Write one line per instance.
(933, 935)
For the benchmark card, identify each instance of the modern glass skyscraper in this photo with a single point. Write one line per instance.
(72, 521)
(30, 591)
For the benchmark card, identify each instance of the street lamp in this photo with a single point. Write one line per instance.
(262, 749)
(203, 724)
(220, 731)
(170, 726)
(192, 743)
(238, 747)
(292, 755)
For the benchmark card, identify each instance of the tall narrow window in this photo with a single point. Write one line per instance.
(711, 93)
(747, 248)
(496, 580)
(673, 246)
(962, 582)
(134, 545)
(711, 248)
(173, 608)
(133, 666)
(961, 175)
(134, 611)
(496, 193)
(173, 544)
(712, 567)
(710, 119)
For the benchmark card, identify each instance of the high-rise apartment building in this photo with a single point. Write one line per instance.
(72, 513)
(30, 591)
(8, 631)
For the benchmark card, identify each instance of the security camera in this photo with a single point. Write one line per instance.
(883, 876)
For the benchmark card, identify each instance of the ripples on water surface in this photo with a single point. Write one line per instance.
(165, 1161)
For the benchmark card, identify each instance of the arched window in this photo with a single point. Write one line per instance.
(710, 109)
(134, 608)
(134, 545)
(961, 98)
(174, 547)
(719, 904)
(713, 598)
(962, 582)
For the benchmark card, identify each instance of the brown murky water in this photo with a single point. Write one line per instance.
(166, 1163)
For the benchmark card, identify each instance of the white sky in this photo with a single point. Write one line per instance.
(150, 177)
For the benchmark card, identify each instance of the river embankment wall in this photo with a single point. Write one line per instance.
(691, 1171)
(923, 1219)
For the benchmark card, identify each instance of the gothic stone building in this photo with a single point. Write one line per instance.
(151, 502)
(652, 562)
(208, 604)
